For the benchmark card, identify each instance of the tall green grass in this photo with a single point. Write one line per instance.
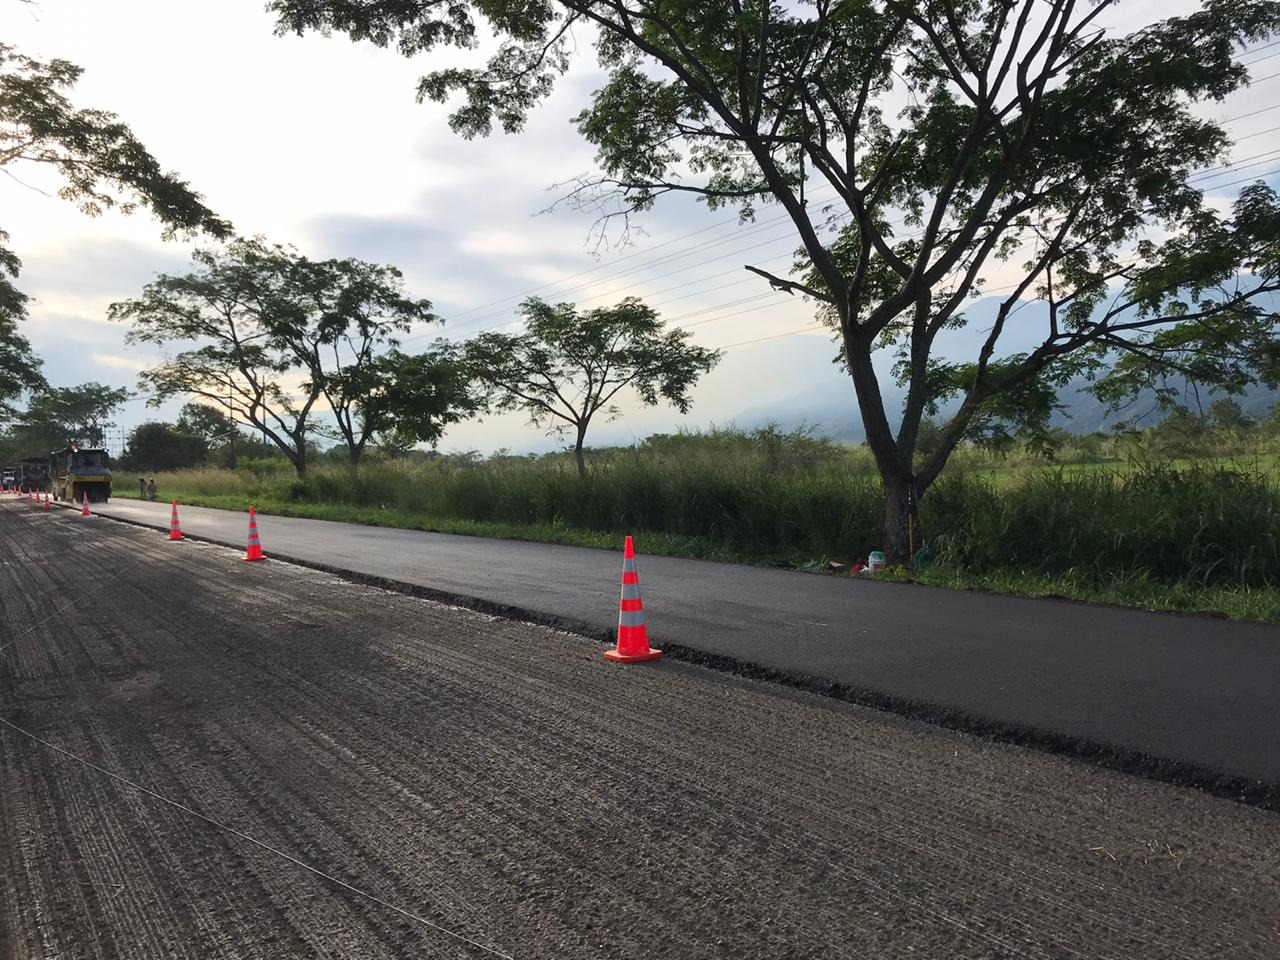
(772, 495)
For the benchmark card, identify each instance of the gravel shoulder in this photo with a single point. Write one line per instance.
(502, 781)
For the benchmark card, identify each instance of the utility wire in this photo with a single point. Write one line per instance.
(715, 226)
(254, 840)
(684, 253)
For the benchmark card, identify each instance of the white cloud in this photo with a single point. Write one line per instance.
(132, 364)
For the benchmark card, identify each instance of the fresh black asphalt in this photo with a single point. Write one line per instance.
(1185, 697)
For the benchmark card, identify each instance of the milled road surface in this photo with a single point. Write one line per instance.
(503, 782)
(1200, 692)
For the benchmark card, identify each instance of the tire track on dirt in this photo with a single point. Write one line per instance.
(494, 774)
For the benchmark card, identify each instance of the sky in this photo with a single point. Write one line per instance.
(319, 143)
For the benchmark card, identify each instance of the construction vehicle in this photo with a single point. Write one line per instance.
(81, 473)
(33, 475)
(8, 478)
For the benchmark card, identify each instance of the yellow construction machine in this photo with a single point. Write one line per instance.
(81, 473)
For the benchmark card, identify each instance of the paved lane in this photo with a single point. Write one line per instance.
(505, 783)
(1193, 690)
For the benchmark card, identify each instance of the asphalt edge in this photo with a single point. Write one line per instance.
(1250, 792)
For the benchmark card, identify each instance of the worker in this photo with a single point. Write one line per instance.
(142, 488)
(151, 489)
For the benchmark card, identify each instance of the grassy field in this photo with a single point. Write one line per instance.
(1189, 535)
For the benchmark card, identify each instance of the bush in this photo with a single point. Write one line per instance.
(770, 494)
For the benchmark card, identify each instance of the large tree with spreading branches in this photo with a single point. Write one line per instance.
(919, 148)
(569, 365)
(266, 334)
(100, 166)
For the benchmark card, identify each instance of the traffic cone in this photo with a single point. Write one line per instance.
(175, 531)
(84, 505)
(254, 552)
(46, 501)
(31, 496)
(633, 635)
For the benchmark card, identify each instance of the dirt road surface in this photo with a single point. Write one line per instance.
(1189, 699)
(504, 783)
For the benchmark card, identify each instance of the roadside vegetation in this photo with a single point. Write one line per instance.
(1183, 516)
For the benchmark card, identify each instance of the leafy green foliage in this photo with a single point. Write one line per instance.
(346, 316)
(569, 365)
(262, 315)
(162, 446)
(208, 423)
(407, 399)
(102, 166)
(56, 416)
(19, 366)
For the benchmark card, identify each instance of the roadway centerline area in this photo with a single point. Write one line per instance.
(500, 788)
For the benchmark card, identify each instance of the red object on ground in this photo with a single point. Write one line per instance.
(254, 551)
(633, 635)
(175, 531)
(46, 502)
(84, 506)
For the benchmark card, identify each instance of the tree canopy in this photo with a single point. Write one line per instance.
(569, 365)
(101, 165)
(400, 400)
(921, 150)
(56, 416)
(163, 446)
(273, 334)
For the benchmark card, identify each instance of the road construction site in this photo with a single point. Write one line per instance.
(201, 757)
(1191, 700)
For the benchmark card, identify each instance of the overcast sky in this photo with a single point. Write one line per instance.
(319, 143)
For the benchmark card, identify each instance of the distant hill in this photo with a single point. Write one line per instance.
(827, 403)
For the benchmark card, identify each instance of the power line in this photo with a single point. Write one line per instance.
(791, 333)
(226, 828)
(1252, 113)
(1258, 133)
(684, 253)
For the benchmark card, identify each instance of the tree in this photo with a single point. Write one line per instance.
(568, 366)
(1034, 141)
(402, 400)
(261, 315)
(101, 165)
(56, 416)
(1229, 418)
(19, 366)
(349, 312)
(1182, 433)
(212, 426)
(229, 307)
(162, 446)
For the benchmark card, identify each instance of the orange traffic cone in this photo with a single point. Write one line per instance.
(31, 496)
(84, 506)
(46, 501)
(633, 635)
(175, 531)
(254, 552)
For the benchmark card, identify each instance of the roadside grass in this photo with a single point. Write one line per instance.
(1194, 536)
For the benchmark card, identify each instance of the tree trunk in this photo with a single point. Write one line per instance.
(577, 455)
(903, 535)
